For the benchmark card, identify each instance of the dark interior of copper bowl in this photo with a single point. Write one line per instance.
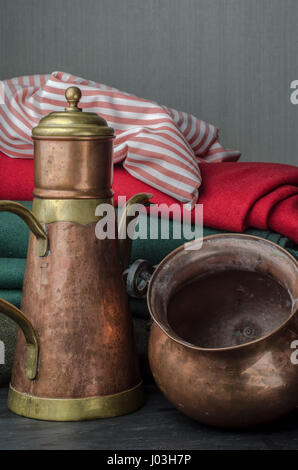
(228, 307)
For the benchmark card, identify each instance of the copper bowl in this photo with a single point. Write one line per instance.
(231, 364)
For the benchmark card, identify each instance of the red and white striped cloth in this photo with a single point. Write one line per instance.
(158, 145)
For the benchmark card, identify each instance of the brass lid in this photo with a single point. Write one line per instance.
(72, 122)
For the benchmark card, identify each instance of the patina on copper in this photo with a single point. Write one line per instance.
(75, 312)
(233, 368)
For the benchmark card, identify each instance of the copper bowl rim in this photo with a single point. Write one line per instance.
(171, 334)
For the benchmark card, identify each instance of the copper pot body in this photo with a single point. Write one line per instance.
(236, 386)
(75, 357)
(74, 300)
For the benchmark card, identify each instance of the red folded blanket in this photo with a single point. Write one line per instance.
(235, 195)
(156, 144)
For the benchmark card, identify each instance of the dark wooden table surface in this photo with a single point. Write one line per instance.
(156, 426)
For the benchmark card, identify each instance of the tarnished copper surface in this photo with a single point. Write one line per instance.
(75, 299)
(228, 385)
(77, 167)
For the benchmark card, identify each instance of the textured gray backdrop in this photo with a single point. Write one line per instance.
(230, 62)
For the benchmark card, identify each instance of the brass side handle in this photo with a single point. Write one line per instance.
(32, 222)
(125, 219)
(30, 335)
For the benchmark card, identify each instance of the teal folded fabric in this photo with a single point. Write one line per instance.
(14, 235)
(155, 250)
(12, 273)
(14, 296)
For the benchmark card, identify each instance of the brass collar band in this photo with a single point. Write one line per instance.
(72, 194)
(84, 138)
(76, 409)
(81, 211)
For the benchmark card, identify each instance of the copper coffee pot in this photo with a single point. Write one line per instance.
(224, 353)
(75, 357)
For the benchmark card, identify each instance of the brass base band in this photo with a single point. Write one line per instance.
(75, 409)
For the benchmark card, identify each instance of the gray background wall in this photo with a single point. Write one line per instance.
(230, 62)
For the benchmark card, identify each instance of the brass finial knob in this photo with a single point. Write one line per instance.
(73, 95)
